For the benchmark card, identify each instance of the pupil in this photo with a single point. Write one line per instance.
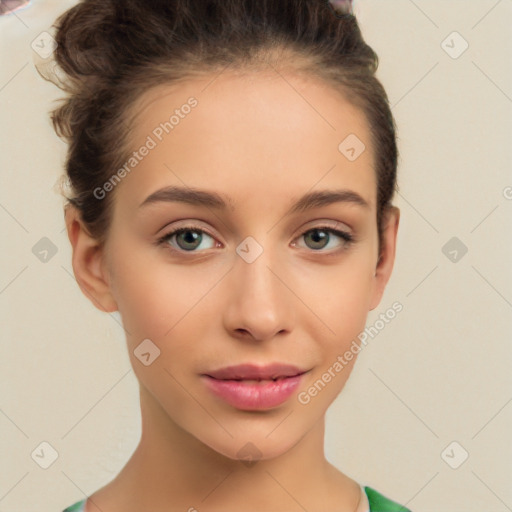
(193, 235)
(317, 237)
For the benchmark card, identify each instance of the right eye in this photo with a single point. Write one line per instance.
(187, 238)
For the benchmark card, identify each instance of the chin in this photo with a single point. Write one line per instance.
(250, 449)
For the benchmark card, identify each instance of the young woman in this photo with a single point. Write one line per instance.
(231, 166)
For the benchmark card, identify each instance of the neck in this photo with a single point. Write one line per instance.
(170, 466)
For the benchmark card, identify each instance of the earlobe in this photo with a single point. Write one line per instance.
(386, 259)
(88, 264)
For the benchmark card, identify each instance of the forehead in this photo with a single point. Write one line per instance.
(242, 133)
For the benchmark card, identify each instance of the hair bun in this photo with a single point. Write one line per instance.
(86, 42)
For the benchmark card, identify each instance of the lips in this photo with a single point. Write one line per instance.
(275, 371)
(251, 387)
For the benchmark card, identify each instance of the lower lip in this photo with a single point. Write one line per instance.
(254, 396)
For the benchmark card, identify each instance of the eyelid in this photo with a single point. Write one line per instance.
(192, 225)
(326, 223)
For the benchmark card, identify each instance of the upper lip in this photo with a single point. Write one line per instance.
(253, 371)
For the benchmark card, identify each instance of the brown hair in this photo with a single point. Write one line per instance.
(111, 52)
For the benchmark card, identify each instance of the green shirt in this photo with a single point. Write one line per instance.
(378, 503)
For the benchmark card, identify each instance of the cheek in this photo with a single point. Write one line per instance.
(344, 316)
(154, 297)
(338, 299)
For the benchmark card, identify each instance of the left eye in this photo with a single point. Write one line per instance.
(320, 234)
(189, 238)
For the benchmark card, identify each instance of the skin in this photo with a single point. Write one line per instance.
(262, 140)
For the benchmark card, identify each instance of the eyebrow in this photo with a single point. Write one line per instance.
(198, 197)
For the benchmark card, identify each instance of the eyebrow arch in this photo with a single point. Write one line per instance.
(198, 197)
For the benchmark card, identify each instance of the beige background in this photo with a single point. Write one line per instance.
(439, 372)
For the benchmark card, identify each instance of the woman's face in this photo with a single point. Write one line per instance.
(257, 277)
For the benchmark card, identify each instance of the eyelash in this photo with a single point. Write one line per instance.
(346, 237)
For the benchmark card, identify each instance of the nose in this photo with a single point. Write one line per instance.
(260, 304)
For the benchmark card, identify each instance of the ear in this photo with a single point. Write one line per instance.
(387, 255)
(88, 262)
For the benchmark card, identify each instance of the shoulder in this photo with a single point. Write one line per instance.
(76, 507)
(379, 503)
